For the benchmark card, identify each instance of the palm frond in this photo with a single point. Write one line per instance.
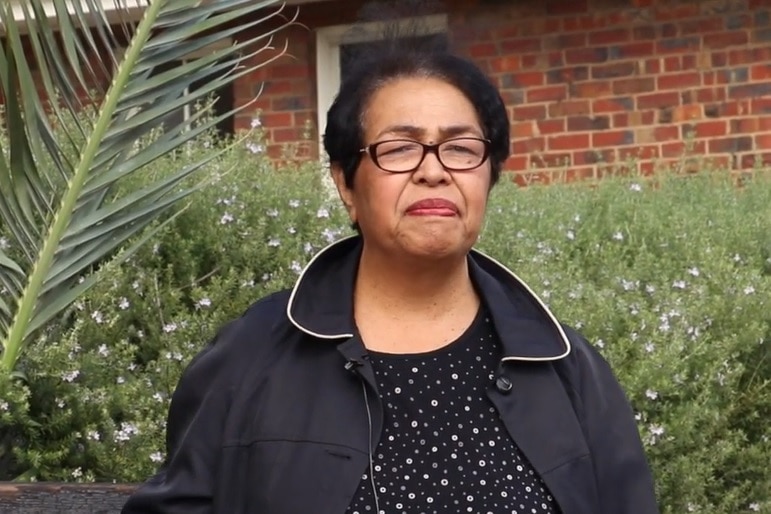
(57, 192)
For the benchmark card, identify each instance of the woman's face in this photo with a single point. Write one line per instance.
(430, 212)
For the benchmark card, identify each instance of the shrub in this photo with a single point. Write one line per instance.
(670, 279)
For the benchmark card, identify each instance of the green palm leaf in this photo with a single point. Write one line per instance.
(61, 214)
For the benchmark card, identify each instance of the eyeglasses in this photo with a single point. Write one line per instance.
(406, 155)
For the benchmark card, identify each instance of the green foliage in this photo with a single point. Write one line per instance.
(670, 278)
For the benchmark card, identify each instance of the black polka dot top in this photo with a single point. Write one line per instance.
(443, 448)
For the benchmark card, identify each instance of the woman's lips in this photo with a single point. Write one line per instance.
(433, 207)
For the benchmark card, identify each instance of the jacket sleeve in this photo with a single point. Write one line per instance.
(199, 406)
(624, 479)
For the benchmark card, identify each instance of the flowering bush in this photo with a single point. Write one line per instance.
(670, 279)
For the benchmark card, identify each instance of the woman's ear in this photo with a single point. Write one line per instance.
(346, 194)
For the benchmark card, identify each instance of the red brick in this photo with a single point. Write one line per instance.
(563, 41)
(543, 60)
(610, 37)
(644, 32)
(678, 45)
(666, 133)
(731, 144)
(679, 80)
(614, 70)
(480, 50)
(591, 89)
(612, 138)
(552, 126)
(760, 72)
(286, 135)
(534, 144)
(582, 123)
(604, 105)
(516, 163)
(687, 112)
(567, 6)
(505, 63)
(276, 119)
(672, 63)
(710, 94)
(763, 141)
(761, 105)
(714, 128)
(676, 12)
(290, 71)
(701, 25)
(570, 108)
(521, 45)
(745, 126)
(726, 39)
(524, 79)
(658, 100)
(750, 90)
(528, 112)
(573, 74)
(634, 119)
(586, 55)
(738, 56)
(277, 87)
(547, 94)
(650, 67)
(594, 156)
(634, 86)
(581, 23)
(569, 142)
(523, 129)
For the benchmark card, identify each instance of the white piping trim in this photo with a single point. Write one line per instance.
(543, 306)
(297, 285)
(521, 282)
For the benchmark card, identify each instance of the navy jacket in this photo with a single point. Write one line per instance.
(276, 415)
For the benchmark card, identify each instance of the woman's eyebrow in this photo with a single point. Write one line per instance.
(417, 132)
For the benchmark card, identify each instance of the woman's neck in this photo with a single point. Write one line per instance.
(413, 286)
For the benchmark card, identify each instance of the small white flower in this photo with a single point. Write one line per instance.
(204, 302)
(679, 284)
(125, 432)
(635, 187)
(618, 236)
(571, 235)
(156, 457)
(651, 394)
(749, 290)
(600, 343)
(322, 213)
(169, 327)
(132, 367)
(4, 245)
(226, 218)
(120, 380)
(77, 473)
(308, 248)
(754, 507)
(60, 403)
(329, 234)
(97, 316)
(248, 283)
(94, 435)
(272, 213)
(650, 347)
(650, 289)
(71, 376)
(628, 285)
(694, 271)
(294, 203)
(656, 430)
(4, 406)
(296, 267)
(274, 242)
(255, 148)
(256, 122)
(737, 258)
(135, 285)
(292, 230)
(123, 304)
(103, 350)
(156, 248)
(266, 277)
(158, 397)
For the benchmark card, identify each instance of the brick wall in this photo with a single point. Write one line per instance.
(587, 82)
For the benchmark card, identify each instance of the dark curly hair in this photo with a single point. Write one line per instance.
(343, 137)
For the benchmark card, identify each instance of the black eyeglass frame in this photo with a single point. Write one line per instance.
(371, 150)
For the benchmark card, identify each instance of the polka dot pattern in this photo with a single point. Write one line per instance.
(443, 447)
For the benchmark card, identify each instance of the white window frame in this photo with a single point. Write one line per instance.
(329, 40)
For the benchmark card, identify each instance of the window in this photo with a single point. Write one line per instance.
(335, 47)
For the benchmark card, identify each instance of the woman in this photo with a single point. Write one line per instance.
(404, 372)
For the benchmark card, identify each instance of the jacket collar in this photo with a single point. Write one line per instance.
(321, 303)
